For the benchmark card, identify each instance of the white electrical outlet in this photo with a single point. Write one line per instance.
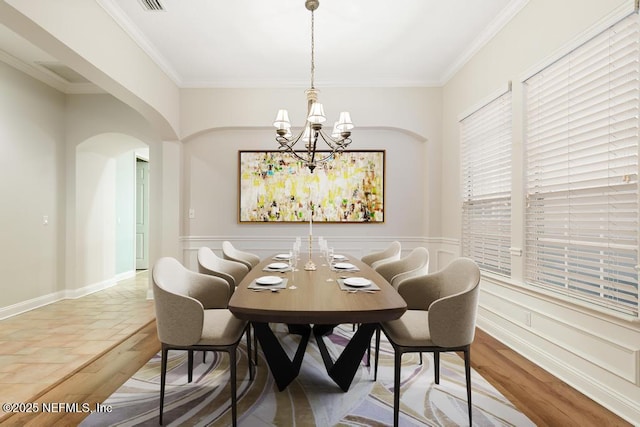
(45, 220)
(192, 213)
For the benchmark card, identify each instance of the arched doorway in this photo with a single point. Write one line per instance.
(106, 208)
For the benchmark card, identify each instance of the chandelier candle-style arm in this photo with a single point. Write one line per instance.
(312, 131)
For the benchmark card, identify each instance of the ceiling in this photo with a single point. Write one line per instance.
(267, 43)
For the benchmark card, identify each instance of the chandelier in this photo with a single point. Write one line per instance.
(312, 130)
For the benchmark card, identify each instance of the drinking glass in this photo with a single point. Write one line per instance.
(329, 257)
(293, 262)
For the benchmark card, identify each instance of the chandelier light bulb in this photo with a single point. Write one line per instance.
(282, 120)
(306, 136)
(335, 133)
(344, 122)
(316, 114)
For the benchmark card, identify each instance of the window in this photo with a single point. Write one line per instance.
(486, 185)
(581, 145)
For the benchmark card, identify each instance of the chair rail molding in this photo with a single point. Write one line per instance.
(354, 245)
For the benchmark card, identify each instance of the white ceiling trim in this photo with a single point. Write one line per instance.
(140, 39)
(489, 33)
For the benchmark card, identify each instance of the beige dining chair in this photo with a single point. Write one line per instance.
(391, 253)
(191, 314)
(440, 317)
(414, 264)
(231, 253)
(231, 271)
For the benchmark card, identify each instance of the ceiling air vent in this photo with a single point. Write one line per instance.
(151, 5)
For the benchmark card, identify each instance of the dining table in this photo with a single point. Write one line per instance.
(340, 290)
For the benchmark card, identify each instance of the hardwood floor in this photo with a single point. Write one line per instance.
(124, 342)
(543, 398)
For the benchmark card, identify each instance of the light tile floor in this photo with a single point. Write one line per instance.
(43, 346)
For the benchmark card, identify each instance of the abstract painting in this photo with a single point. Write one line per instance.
(274, 186)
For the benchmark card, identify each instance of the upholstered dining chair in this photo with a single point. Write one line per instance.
(231, 271)
(414, 264)
(440, 317)
(231, 253)
(191, 314)
(391, 253)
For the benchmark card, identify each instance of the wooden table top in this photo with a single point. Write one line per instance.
(318, 298)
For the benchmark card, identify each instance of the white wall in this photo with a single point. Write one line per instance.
(95, 217)
(408, 129)
(58, 159)
(211, 190)
(31, 186)
(597, 353)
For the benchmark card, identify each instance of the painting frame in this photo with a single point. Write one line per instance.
(275, 187)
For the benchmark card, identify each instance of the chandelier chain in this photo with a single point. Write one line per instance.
(313, 48)
(312, 131)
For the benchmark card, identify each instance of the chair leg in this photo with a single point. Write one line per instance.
(234, 409)
(436, 366)
(249, 351)
(204, 357)
(420, 358)
(467, 373)
(255, 347)
(375, 363)
(163, 377)
(368, 355)
(397, 363)
(190, 366)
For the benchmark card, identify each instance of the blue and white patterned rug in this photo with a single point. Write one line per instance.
(313, 399)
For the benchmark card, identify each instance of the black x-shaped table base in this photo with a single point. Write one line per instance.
(285, 370)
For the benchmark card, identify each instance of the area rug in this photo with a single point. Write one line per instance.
(313, 399)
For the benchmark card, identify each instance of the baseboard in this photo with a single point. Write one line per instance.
(24, 306)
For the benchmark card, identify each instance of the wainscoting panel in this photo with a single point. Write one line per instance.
(595, 354)
(357, 246)
(583, 345)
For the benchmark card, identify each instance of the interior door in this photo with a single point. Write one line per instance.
(142, 214)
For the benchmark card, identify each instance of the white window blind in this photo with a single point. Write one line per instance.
(485, 137)
(581, 220)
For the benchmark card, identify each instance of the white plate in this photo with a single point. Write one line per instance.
(344, 265)
(283, 256)
(358, 282)
(277, 266)
(339, 257)
(269, 280)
